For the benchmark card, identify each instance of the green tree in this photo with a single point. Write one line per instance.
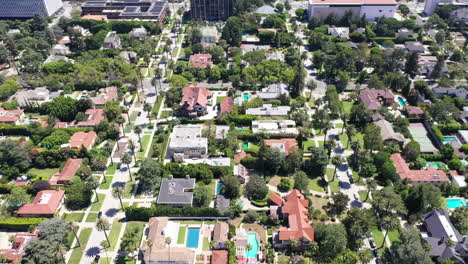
(422, 198)
(232, 31)
(358, 223)
(77, 195)
(372, 138)
(231, 187)
(284, 185)
(340, 202)
(93, 183)
(389, 222)
(127, 159)
(371, 185)
(337, 161)
(138, 131)
(412, 151)
(346, 257)
(409, 250)
(201, 196)
(118, 192)
(411, 64)
(150, 174)
(459, 219)
(15, 199)
(103, 225)
(8, 88)
(301, 181)
(112, 110)
(256, 188)
(386, 201)
(388, 171)
(63, 108)
(270, 159)
(147, 108)
(331, 240)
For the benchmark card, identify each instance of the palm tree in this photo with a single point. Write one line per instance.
(326, 126)
(147, 107)
(138, 131)
(248, 247)
(365, 256)
(109, 147)
(427, 248)
(118, 192)
(93, 183)
(73, 227)
(132, 147)
(120, 120)
(105, 245)
(389, 222)
(149, 244)
(59, 248)
(329, 146)
(168, 242)
(350, 132)
(127, 159)
(344, 118)
(102, 224)
(371, 185)
(449, 243)
(337, 161)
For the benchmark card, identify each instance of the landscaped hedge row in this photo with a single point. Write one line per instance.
(25, 130)
(19, 223)
(144, 214)
(438, 133)
(433, 157)
(242, 119)
(5, 188)
(451, 128)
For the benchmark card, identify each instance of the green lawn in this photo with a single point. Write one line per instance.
(96, 206)
(133, 116)
(344, 140)
(140, 226)
(356, 177)
(181, 235)
(74, 217)
(111, 169)
(378, 236)
(219, 99)
(363, 195)
(320, 142)
(128, 128)
(338, 125)
(144, 143)
(105, 260)
(334, 185)
(319, 203)
(347, 106)
(129, 189)
(317, 184)
(114, 234)
(42, 174)
(78, 252)
(106, 183)
(206, 244)
(92, 217)
(165, 114)
(156, 107)
(394, 235)
(307, 144)
(319, 132)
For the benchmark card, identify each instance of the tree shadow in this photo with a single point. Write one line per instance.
(118, 184)
(111, 212)
(93, 251)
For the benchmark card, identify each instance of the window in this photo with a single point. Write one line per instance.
(380, 11)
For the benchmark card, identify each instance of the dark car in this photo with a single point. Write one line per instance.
(376, 253)
(97, 258)
(378, 261)
(372, 243)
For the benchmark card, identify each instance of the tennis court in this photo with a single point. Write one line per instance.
(420, 134)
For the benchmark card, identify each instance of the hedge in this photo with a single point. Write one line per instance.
(433, 157)
(438, 133)
(19, 223)
(5, 188)
(261, 203)
(134, 213)
(451, 128)
(25, 130)
(381, 40)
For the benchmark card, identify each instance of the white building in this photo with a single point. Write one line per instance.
(139, 33)
(60, 49)
(186, 142)
(273, 91)
(274, 127)
(269, 110)
(431, 5)
(339, 32)
(371, 9)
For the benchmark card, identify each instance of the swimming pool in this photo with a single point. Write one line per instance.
(219, 187)
(27, 122)
(449, 139)
(246, 96)
(193, 235)
(402, 102)
(436, 165)
(245, 145)
(456, 202)
(464, 163)
(252, 240)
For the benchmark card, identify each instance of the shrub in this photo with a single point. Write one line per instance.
(260, 203)
(464, 148)
(433, 157)
(19, 223)
(438, 133)
(250, 217)
(284, 185)
(144, 214)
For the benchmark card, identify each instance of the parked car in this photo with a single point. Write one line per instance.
(97, 258)
(356, 197)
(376, 253)
(372, 242)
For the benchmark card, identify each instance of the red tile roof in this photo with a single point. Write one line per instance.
(45, 203)
(267, 29)
(284, 144)
(10, 116)
(108, 94)
(239, 156)
(219, 257)
(371, 97)
(201, 61)
(220, 232)
(430, 174)
(275, 198)
(226, 105)
(67, 173)
(81, 138)
(193, 95)
(95, 116)
(16, 252)
(414, 110)
(61, 125)
(296, 209)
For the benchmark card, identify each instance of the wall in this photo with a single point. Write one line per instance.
(373, 12)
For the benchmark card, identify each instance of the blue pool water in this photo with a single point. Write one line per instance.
(245, 145)
(436, 165)
(193, 234)
(454, 203)
(401, 101)
(219, 187)
(246, 96)
(252, 240)
(449, 139)
(239, 128)
(27, 122)
(464, 163)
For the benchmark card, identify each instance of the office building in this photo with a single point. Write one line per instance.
(211, 10)
(371, 9)
(28, 8)
(126, 9)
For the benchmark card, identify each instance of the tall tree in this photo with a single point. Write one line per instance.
(371, 185)
(138, 131)
(331, 240)
(337, 161)
(150, 174)
(118, 192)
(409, 249)
(386, 201)
(103, 225)
(359, 223)
(301, 181)
(127, 159)
(411, 64)
(93, 183)
(389, 222)
(372, 138)
(147, 108)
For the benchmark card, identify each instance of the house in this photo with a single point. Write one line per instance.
(176, 191)
(462, 136)
(463, 115)
(83, 31)
(194, 101)
(389, 135)
(414, 112)
(428, 175)
(37, 96)
(246, 48)
(60, 125)
(373, 99)
(209, 36)
(455, 92)
(138, 33)
(83, 139)
(129, 56)
(94, 116)
(273, 91)
(160, 252)
(222, 203)
(269, 110)
(200, 61)
(458, 38)
(17, 248)
(294, 208)
(60, 49)
(45, 204)
(241, 173)
(274, 127)
(12, 32)
(67, 173)
(265, 10)
(186, 142)
(106, 95)
(284, 145)
(370, 9)
(414, 46)
(226, 105)
(221, 132)
(55, 58)
(439, 230)
(404, 33)
(112, 41)
(339, 32)
(242, 240)
(219, 257)
(220, 234)
(65, 40)
(457, 180)
(275, 55)
(427, 64)
(252, 39)
(15, 116)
